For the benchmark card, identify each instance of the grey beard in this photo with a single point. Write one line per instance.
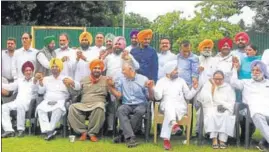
(257, 78)
(50, 49)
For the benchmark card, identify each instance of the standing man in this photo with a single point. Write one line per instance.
(84, 56)
(146, 56)
(7, 57)
(241, 40)
(108, 40)
(45, 55)
(67, 55)
(164, 56)
(134, 42)
(223, 59)
(26, 53)
(206, 61)
(188, 63)
(99, 41)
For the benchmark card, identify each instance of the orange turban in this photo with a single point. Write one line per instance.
(205, 43)
(97, 62)
(86, 35)
(242, 34)
(143, 34)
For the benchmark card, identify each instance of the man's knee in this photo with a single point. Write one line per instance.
(140, 111)
(122, 110)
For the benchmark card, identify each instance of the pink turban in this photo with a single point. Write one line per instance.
(242, 34)
(223, 41)
(26, 65)
(121, 40)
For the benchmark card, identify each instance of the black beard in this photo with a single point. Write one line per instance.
(84, 47)
(50, 49)
(241, 46)
(96, 74)
(117, 51)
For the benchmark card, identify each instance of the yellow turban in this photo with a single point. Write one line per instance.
(58, 62)
(143, 34)
(86, 35)
(97, 62)
(205, 43)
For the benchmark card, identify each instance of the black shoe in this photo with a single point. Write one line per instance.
(51, 135)
(261, 147)
(131, 142)
(118, 139)
(139, 133)
(109, 133)
(8, 134)
(20, 133)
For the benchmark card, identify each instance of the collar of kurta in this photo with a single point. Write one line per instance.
(132, 79)
(7, 52)
(27, 80)
(29, 50)
(164, 52)
(254, 81)
(181, 55)
(67, 49)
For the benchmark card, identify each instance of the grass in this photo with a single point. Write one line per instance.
(38, 144)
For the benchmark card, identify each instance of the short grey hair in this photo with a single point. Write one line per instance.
(129, 65)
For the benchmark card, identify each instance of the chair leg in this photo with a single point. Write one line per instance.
(247, 139)
(155, 132)
(188, 134)
(64, 125)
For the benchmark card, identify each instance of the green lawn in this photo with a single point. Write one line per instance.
(38, 144)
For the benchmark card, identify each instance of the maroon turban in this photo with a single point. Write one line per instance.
(134, 32)
(242, 34)
(27, 64)
(223, 41)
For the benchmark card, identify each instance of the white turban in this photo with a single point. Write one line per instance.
(170, 66)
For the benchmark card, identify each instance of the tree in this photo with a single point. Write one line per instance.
(132, 20)
(261, 19)
(79, 13)
(211, 22)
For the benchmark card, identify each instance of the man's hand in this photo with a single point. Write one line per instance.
(213, 86)
(125, 55)
(149, 84)
(68, 82)
(201, 69)
(110, 82)
(79, 54)
(38, 77)
(65, 58)
(236, 63)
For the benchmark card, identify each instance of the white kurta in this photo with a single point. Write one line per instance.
(265, 59)
(7, 65)
(254, 93)
(215, 121)
(95, 48)
(69, 65)
(163, 58)
(54, 90)
(26, 91)
(224, 64)
(82, 67)
(209, 67)
(19, 58)
(172, 94)
(113, 64)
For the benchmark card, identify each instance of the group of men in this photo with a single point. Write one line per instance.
(104, 74)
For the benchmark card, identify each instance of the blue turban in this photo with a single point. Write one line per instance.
(134, 32)
(261, 66)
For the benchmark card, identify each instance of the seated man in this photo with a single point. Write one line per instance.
(255, 93)
(26, 90)
(134, 90)
(94, 93)
(172, 91)
(56, 92)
